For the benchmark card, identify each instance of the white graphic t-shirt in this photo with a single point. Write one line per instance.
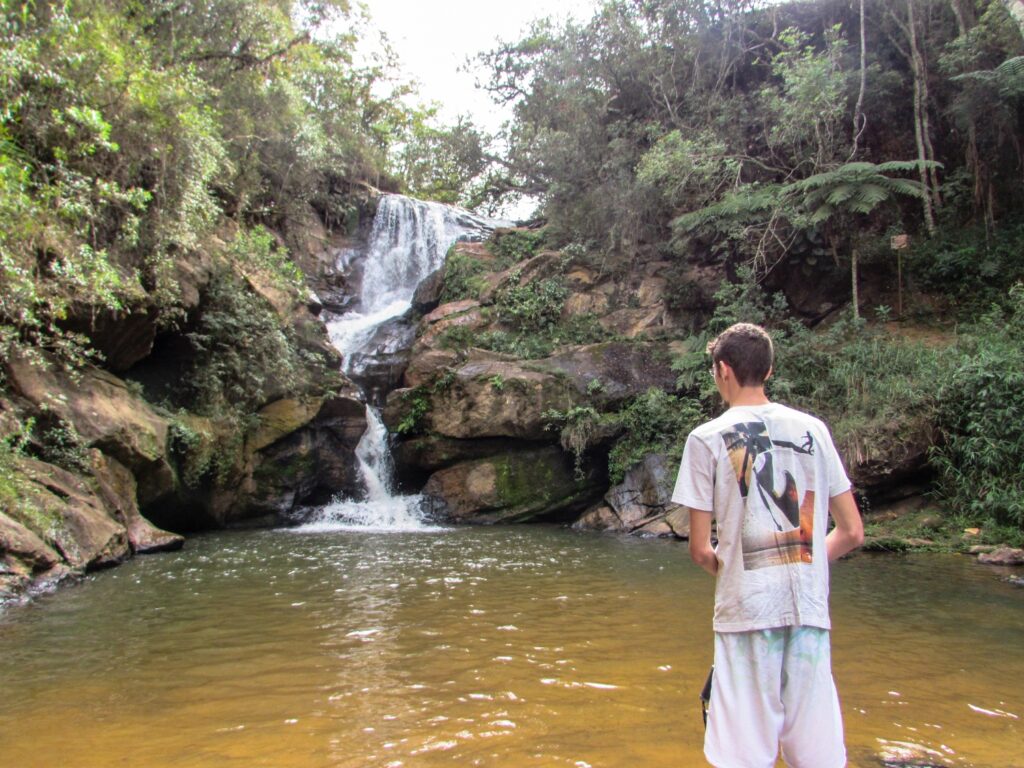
(767, 473)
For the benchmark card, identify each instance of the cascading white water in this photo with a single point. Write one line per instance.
(409, 241)
(381, 509)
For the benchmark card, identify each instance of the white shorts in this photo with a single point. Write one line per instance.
(772, 688)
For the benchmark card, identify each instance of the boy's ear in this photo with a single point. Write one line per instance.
(770, 372)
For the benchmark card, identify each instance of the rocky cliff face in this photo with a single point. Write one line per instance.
(522, 366)
(103, 472)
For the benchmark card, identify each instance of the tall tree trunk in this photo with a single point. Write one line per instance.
(853, 281)
(965, 14)
(859, 120)
(917, 65)
(1016, 11)
(921, 74)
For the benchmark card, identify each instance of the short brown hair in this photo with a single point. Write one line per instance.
(747, 349)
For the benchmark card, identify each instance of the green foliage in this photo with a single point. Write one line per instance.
(12, 482)
(699, 113)
(204, 455)
(417, 401)
(257, 249)
(853, 188)
(130, 130)
(858, 376)
(462, 276)
(58, 442)
(981, 458)
(514, 245)
(242, 350)
(689, 173)
(654, 422)
(970, 265)
(533, 307)
(576, 428)
(805, 111)
(531, 344)
(438, 163)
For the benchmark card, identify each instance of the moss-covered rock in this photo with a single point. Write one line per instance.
(510, 488)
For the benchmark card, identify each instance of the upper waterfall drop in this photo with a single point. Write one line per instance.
(409, 240)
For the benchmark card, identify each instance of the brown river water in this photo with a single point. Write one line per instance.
(518, 646)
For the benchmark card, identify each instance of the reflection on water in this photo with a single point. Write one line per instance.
(494, 647)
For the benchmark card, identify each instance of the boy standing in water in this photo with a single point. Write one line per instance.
(769, 475)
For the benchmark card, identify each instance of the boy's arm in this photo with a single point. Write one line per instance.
(849, 531)
(701, 551)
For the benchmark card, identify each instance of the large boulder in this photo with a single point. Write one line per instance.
(433, 452)
(116, 488)
(467, 314)
(889, 461)
(382, 360)
(488, 398)
(24, 557)
(491, 395)
(428, 293)
(642, 503)
(514, 487)
(300, 451)
(105, 414)
(309, 457)
(70, 517)
(610, 373)
(64, 523)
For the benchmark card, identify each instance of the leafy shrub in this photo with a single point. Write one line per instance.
(257, 248)
(576, 428)
(514, 245)
(970, 265)
(654, 422)
(242, 350)
(201, 455)
(981, 459)
(854, 375)
(534, 306)
(462, 276)
(59, 443)
(11, 482)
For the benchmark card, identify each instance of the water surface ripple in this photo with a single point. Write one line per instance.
(532, 646)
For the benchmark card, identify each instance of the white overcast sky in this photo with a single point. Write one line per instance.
(433, 40)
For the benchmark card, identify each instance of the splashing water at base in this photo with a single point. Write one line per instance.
(381, 510)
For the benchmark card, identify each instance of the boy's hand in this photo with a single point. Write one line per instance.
(701, 551)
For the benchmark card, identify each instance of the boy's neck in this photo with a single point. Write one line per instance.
(748, 396)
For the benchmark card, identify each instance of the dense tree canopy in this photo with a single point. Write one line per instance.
(131, 130)
(656, 108)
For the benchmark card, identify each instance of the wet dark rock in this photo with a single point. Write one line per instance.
(380, 365)
(428, 292)
(433, 452)
(641, 504)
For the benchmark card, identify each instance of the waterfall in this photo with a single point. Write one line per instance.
(408, 241)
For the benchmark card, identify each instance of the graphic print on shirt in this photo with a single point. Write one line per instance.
(776, 479)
